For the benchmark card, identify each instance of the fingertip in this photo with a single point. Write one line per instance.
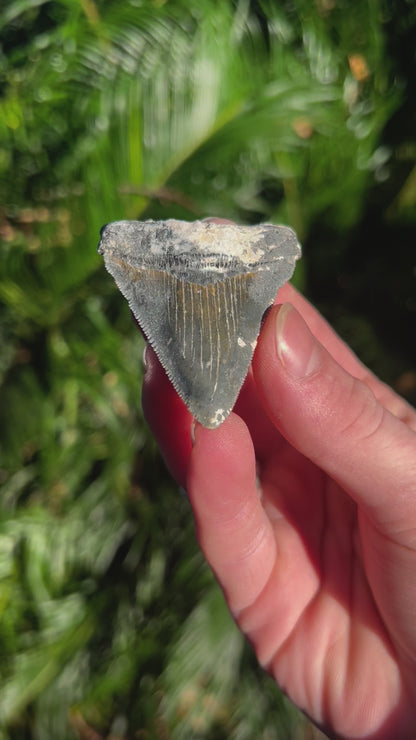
(288, 294)
(219, 448)
(286, 358)
(217, 220)
(232, 427)
(222, 470)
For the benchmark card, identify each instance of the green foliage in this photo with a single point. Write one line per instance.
(296, 112)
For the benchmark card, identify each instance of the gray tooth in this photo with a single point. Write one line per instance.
(199, 291)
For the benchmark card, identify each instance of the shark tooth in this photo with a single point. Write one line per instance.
(199, 291)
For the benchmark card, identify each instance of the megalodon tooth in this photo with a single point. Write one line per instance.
(199, 291)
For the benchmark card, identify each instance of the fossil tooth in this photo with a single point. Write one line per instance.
(199, 291)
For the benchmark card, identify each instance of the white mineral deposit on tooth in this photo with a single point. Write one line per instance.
(199, 291)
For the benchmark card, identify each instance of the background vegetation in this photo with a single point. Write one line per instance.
(299, 112)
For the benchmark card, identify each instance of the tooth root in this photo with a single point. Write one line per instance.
(199, 291)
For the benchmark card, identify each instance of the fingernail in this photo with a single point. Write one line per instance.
(193, 432)
(145, 360)
(297, 349)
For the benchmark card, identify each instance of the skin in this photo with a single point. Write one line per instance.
(305, 507)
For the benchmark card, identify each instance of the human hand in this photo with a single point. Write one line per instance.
(317, 554)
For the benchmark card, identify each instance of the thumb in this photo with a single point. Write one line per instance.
(335, 419)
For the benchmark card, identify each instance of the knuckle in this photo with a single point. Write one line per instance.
(363, 415)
